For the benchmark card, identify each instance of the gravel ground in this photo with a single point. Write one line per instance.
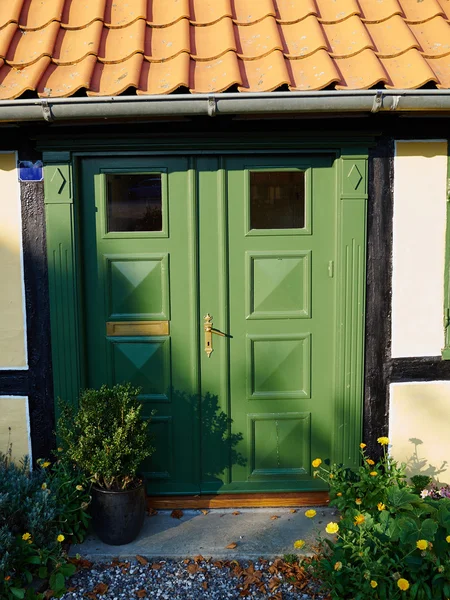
(198, 578)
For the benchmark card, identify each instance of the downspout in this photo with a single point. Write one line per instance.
(133, 107)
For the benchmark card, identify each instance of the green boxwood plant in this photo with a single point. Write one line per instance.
(106, 436)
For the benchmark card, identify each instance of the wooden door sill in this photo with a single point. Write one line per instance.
(259, 500)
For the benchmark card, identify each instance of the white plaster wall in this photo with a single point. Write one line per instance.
(15, 426)
(420, 175)
(419, 417)
(13, 347)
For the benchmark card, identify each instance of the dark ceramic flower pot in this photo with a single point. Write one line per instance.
(117, 517)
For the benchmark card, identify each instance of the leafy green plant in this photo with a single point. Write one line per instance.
(389, 543)
(420, 482)
(71, 488)
(30, 535)
(106, 436)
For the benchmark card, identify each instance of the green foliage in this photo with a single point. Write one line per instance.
(391, 543)
(71, 488)
(33, 524)
(106, 437)
(420, 482)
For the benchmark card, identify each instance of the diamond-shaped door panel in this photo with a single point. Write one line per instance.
(138, 287)
(354, 177)
(279, 366)
(279, 285)
(145, 364)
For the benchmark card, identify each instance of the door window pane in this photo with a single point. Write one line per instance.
(134, 202)
(277, 200)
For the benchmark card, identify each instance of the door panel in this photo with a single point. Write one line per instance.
(282, 303)
(139, 301)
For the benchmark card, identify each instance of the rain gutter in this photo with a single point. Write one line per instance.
(133, 107)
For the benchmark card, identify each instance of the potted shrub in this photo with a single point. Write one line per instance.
(108, 439)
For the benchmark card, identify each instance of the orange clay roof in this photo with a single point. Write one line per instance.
(57, 47)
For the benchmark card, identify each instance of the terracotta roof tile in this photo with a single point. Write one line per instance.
(162, 43)
(117, 45)
(214, 75)
(418, 12)
(29, 46)
(212, 41)
(303, 38)
(56, 47)
(265, 74)
(251, 11)
(60, 81)
(165, 77)
(314, 72)
(6, 36)
(73, 45)
(409, 70)
(361, 71)
(374, 11)
(337, 10)
(14, 82)
(391, 37)
(348, 37)
(445, 5)
(441, 69)
(121, 14)
(10, 12)
(258, 39)
(205, 12)
(166, 12)
(113, 79)
(433, 36)
(292, 11)
(36, 14)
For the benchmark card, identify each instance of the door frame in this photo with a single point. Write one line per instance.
(61, 171)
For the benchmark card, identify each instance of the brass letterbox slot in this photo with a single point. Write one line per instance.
(136, 328)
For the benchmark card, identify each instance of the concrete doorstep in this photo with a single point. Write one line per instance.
(256, 533)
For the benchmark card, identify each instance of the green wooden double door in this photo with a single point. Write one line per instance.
(250, 241)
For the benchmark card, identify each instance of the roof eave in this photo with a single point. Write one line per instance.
(133, 107)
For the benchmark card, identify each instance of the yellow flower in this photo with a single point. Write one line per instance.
(422, 544)
(403, 584)
(44, 486)
(299, 544)
(373, 584)
(26, 536)
(359, 519)
(79, 488)
(316, 462)
(60, 449)
(46, 464)
(362, 446)
(310, 513)
(332, 527)
(373, 473)
(331, 476)
(370, 462)
(381, 506)
(339, 494)
(358, 501)
(338, 566)
(60, 538)
(384, 441)
(447, 539)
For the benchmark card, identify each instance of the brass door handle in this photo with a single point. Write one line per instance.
(209, 330)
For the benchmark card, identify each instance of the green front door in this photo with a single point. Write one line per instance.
(250, 241)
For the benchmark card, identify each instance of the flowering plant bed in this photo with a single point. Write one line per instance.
(390, 542)
(39, 513)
